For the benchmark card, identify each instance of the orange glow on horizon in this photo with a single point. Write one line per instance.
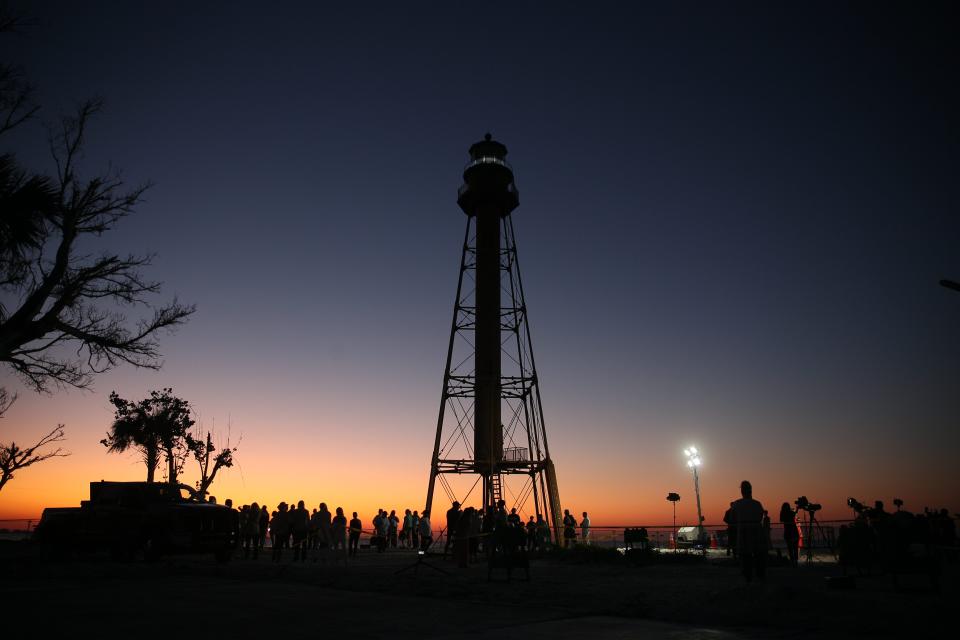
(349, 459)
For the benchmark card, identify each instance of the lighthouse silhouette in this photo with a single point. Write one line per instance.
(491, 441)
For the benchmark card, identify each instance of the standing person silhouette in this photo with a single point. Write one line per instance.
(300, 524)
(486, 528)
(279, 528)
(392, 522)
(791, 533)
(731, 531)
(569, 529)
(312, 534)
(748, 516)
(264, 525)
(338, 531)
(323, 529)
(415, 530)
(461, 537)
(543, 533)
(355, 528)
(585, 529)
(407, 529)
(375, 538)
(453, 516)
(426, 533)
(383, 527)
(251, 543)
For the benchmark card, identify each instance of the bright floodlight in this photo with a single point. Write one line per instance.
(693, 461)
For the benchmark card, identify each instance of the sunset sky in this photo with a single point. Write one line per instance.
(733, 220)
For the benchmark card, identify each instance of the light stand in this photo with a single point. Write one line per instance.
(674, 498)
(694, 461)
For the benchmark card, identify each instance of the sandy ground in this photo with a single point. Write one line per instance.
(366, 598)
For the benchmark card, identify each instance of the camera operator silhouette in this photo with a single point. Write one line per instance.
(791, 533)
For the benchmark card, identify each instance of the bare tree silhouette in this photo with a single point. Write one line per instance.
(72, 299)
(67, 322)
(13, 458)
(211, 461)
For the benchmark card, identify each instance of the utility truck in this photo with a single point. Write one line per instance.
(148, 518)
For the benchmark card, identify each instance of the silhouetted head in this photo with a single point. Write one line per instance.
(323, 506)
(513, 511)
(339, 511)
(254, 507)
(212, 499)
(228, 502)
(407, 512)
(566, 512)
(456, 505)
(414, 512)
(584, 514)
(393, 512)
(264, 508)
(878, 505)
(746, 489)
(354, 514)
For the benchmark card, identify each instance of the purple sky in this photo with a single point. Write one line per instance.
(732, 223)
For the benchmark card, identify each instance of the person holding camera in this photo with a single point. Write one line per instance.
(791, 532)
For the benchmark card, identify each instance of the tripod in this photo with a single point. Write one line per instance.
(421, 554)
(811, 523)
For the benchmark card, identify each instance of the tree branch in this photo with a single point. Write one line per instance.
(13, 458)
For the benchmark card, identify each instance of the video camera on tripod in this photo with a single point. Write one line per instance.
(857, 506)
(814, 535)
(805, 505)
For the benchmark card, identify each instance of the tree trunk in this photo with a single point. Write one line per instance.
(151, 463)
(171, 467)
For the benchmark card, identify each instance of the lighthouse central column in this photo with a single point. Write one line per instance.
(488, 430)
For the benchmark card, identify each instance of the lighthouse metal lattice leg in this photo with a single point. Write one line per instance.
(521, 473)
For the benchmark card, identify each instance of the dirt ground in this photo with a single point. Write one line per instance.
(595, 597)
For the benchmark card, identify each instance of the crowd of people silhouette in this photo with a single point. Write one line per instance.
(468, 532)
(875, 538)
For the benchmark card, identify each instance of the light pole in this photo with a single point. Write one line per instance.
(674, 498)
(694, 461)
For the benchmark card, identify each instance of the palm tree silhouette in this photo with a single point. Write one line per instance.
(156, 424)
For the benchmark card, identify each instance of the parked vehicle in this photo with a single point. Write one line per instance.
(152, 518)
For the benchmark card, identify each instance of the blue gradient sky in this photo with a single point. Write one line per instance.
(733, 220)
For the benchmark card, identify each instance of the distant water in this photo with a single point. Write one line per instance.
(14, 535)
